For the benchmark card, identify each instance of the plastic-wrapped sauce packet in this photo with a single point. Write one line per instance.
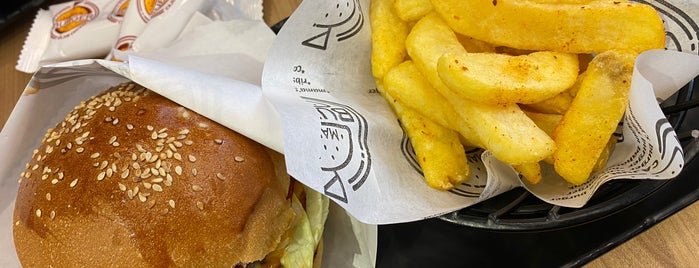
(150, 25)
(144, 12)
(72, 30)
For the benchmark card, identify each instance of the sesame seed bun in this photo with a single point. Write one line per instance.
(131, 179)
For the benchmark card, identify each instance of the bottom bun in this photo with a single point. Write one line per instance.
(132, 179)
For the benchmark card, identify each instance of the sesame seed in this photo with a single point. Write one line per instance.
(188, 142)
(218, 141)
(95, 155)
(136, 166)
(48, 196)
(157, 180)
(54, 181)
(38, 212)
(220, 176)
(178, 170)
(171, 203)
(172, 147)
(154, 135)
(191, 158)
(112, 108)
(35, 167)
(148, 185)
(44, 177)
(140, 148)
(129, 193)
(239, 159)
(101, 176)
(183, 132)
(125, 174)
(109, 173)
(203, 125)
(60, 175)
(116, 121)
(177, 156)
(162, 130)
(194, 172)
(80, 149)
(103, 164)
(181, 137)
(150, 128)
(129, 126)
(73, 183)
(135, 190)
(122, 187)
(112, 139)
(200, 205)
(142, 198)
(151, 204)
(196, 188)
(157, 188)
(177, 144)
(53, 214)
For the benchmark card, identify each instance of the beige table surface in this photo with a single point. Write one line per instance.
(673, 242)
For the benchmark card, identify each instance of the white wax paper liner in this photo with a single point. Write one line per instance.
(345, 142)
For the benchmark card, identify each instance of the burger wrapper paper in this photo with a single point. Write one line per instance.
(208, 70)
(343, 140)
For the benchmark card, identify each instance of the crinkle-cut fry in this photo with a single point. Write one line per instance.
(503, 129)
(592, 27)
(499, 78)
(388, 33)
(593, 115)
(438, 149)
(408, 86)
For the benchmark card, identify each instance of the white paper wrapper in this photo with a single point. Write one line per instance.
(188, 79)
(347, 144)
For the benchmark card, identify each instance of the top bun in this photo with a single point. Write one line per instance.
(131, 179)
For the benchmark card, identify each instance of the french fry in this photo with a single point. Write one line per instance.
(530, 171)
(499, 78)
(503, 129)
(546, 122)
(412, 10)
(408, 86)
(593, 27)
(556, 105)
(388, 33)
(438, 149)
(593, 115)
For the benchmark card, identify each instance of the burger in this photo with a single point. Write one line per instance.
(132, 179)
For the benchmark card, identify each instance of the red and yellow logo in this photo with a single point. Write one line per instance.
(71, 18)
(119, 11)
(149, 9)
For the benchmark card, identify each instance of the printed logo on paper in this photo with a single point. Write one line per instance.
(119, 11)
(682, 31)
(72, 18)
(149, 9)
(338, 24)
(346, 160)
(123, 44)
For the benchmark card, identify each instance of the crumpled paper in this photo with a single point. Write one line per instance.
(210, 69)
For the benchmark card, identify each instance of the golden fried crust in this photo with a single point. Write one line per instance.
(131, 179)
